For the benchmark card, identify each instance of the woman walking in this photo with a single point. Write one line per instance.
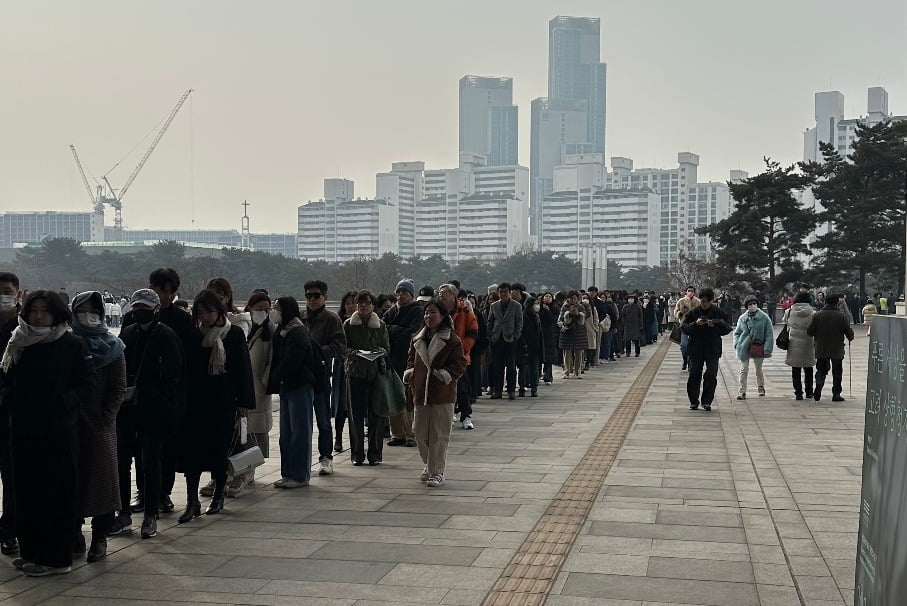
(573, 341)
(295, 375)
(99, 487)
(220, 387)
(801, 352)
(435, 363)
(48, 380)
(753, 340)
(366, 332)
(259, 419)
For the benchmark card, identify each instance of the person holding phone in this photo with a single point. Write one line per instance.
(705, 325)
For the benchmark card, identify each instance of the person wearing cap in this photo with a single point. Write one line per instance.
(753, 340)
(829, 328)
(403, 321)
(466, 327)
(99, 493)
(150, 417)
(426, 294)
(705, 324)
(48, 380)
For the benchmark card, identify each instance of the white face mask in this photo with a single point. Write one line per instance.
(7, 302)
(259, 316)
(631, 300)
(40, 330)
(275, 316)
(536, 308)
(752, 307)
(88, 319)
(645, 301)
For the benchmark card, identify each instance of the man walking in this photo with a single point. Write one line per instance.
(505, 326)
(829, 327)
(403, 321)
(326, 329)
(705, 325)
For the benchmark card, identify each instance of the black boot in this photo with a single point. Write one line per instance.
(217, 501)
(193, 510)
(98, 550)
(684, 363)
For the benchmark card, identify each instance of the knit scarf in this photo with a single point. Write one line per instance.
(105, 347)
(293, 323)
(213, 337)
(26, 335)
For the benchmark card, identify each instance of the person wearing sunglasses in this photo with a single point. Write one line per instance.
(326, 329)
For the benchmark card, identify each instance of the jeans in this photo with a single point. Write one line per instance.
(322, 406)
(296, 433)
(708, 381)
(798, 385)
(361, 391)
(745, 371)
(503, 359)
(606, 346)
(684, 342)
(823, 365)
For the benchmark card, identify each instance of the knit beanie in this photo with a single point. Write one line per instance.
(492, 289)
(407, 285)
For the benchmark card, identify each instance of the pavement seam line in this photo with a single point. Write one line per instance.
(531, 573)
(746, 444)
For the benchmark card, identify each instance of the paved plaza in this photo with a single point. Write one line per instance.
(755, 503)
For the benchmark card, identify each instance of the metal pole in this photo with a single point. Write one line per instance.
(850, 367)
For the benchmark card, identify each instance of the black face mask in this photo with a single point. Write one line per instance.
(143, 316)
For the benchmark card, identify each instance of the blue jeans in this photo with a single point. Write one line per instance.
(684, 341)
(296, 433)
(322, 405)
(607, 345)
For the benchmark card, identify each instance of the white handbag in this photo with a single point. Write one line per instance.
(246, 460)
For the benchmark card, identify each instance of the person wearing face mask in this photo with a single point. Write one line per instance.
(10, 295)
(150, 416)
(534, 345)
(259, 419)
(573, 340)
(99, 491)
(753, 340)
(220, 388)
(548, 319)
(649, 319)
(44, 411)
(632, 324)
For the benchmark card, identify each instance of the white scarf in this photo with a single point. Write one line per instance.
(25, 335)
(213, 337)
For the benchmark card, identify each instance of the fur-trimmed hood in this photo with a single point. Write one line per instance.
(373, 320)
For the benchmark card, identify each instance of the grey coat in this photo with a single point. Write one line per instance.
(632, 319)
(505, 323)
(801, 353)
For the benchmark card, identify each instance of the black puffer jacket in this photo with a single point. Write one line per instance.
(705, 341)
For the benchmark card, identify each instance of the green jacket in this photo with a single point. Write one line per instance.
(370, 337)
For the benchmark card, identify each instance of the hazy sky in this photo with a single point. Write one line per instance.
(291, 92)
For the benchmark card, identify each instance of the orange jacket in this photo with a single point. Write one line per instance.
(466, 327)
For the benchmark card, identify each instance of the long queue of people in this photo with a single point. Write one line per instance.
(187, 390)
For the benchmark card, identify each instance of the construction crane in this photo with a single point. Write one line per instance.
(105, 194)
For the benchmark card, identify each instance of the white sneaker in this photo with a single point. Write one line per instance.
(566, 375)
(291, 483)
(425, 475)
(435, 481)
(327, 467)
(467, 423)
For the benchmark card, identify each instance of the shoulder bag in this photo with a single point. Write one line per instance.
(783, 340)
(130, 395)
(390, 396)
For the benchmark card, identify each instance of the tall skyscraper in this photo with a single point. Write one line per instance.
(488, 119)
(576, 72)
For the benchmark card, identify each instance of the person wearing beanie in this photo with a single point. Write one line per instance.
(492, 289)
(753, 340)
(403, 321)
(408, 285)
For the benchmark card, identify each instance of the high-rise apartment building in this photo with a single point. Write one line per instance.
(340, 228)
(576, 72)
(28, 227)
(489, 120)
(402, 186)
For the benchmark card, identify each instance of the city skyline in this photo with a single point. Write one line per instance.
(252, 132)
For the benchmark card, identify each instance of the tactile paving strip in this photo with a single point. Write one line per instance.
(529, 576)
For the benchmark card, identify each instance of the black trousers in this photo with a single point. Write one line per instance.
(464, 397)
(529, 373)
(503, 361)
(8, 519)
(837, 374)
(795, 375)
(633, 342)
(474, 372)
(361, 391)
(148, 451)
(707, 381)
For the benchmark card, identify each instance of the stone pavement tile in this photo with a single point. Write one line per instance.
(603, 514)
(843, 572)
(464, 597)
(697, 517)
(377, 518)
(36, 594)
(421, 594)
(569, 600)
(395, 552)
(712, 496)
(818, 588)
(202, 544)
(714, 570)
(718, 534)
(441, 506)
(494, 557)
(263, 567)
(607, 564)
(74, 601)
(704, 483)
(772, 574)
(264, 530)
(490, 522)
(809, 566)
(777, 595)
(237, 583)
(677, 591)
(442, 576)
(187, 564)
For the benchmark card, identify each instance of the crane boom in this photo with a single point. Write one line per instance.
(75, 155)
(157, 139)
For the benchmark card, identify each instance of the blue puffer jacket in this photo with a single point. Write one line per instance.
(753, 328)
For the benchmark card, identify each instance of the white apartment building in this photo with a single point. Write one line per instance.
(32, 227)
(340, 228)
(403, 186)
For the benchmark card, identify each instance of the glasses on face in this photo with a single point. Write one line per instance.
(313, 295)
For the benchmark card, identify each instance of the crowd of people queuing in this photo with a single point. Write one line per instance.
(188, 384)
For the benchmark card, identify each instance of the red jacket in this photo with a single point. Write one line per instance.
(466, 326)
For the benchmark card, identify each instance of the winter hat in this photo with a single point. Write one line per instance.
(426, 293)
(750, 299)
(145, 296)
(407, 285)
(492, 289)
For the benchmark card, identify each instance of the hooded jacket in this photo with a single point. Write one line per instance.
(801, 353)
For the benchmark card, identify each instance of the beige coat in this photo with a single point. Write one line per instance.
(433, 368)
(683, 307)
(261, 419)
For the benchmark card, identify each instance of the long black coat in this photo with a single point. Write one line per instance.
(705, 341)
(402, 325)
(161, 389)
(532, 330)
(830, 327)
(550, 334)
(207, 429)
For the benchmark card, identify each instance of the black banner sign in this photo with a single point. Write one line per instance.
(881, 573)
